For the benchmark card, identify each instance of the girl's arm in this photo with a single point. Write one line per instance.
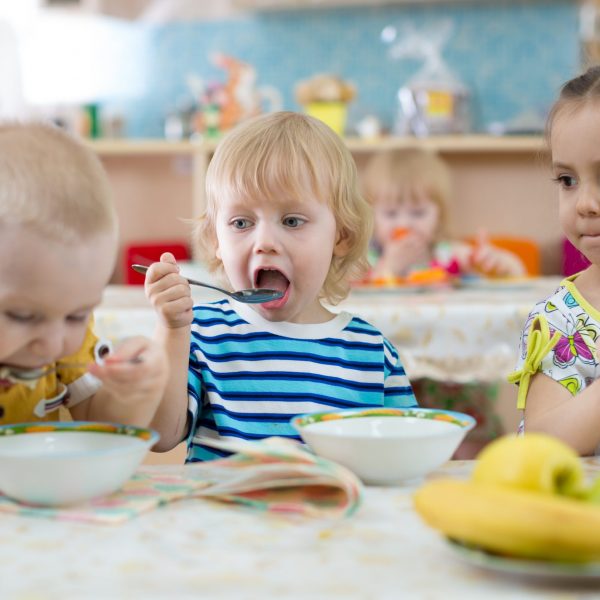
(486, 259)
(552, 409)
(491, 260)
(399, 256)
(170, 295)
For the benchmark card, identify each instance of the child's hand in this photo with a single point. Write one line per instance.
(134, 379)
(493, 261)
(400, 255)
(169, 293)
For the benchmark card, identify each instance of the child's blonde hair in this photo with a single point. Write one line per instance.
(300, 155)
(394, 176)
(52, 183)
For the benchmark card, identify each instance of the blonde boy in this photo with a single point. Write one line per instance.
(58, 243)
(284, 212)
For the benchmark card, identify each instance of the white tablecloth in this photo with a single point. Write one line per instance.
(203, 549)
(454, 335)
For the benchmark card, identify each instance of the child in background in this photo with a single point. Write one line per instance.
(557, 374)
(284, 212)
(58, 243)
(410, 192)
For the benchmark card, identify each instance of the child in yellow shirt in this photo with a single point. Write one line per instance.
(58, 244)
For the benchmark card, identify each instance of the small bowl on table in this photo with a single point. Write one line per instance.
(385, 446)
(61, 464)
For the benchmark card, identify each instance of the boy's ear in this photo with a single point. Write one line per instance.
(215, 242)
(342, 243)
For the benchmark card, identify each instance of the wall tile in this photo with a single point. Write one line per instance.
(513, 56)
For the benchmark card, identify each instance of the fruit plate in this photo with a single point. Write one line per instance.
(503, 284)
(367, 288)
(533, 569)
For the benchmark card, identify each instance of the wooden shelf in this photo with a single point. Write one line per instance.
(117, 147)
(452, 143)
(445, 143)
(498, 180)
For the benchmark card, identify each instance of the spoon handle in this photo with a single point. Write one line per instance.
(250, 296)
(142, 269)
(29, 375)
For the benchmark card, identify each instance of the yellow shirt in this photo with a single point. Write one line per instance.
(22, 403)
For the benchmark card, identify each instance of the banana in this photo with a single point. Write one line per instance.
(511, 521)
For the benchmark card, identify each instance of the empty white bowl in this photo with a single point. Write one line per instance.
(384, 446)
(58, 464)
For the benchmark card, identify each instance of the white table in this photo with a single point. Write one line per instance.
(458, 335)
(454, 335)
(204, 549)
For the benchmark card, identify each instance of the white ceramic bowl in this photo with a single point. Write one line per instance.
(58, 464)
(384, 446)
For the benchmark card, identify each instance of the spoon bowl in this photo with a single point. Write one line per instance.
(249, 296)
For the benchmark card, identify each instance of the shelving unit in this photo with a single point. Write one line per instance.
(500, 185)
(446, 143)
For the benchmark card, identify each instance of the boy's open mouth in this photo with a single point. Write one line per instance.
(271, 279)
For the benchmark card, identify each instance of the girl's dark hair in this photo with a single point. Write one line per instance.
(574, 93)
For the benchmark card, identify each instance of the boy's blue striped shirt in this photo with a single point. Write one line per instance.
(248, 376)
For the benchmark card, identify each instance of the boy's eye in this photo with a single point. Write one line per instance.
(390, 213)
(293, 221)
(31, 318)
(78, 318)
(240, 223)
(566, 181)
(20, 317)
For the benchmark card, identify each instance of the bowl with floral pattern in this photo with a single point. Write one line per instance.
(66, 463)
(385, 446)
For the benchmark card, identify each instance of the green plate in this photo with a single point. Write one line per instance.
(395, 289)
(538, 569)
(507, 284)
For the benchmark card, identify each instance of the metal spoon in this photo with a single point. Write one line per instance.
(249, 296)
(25, 374)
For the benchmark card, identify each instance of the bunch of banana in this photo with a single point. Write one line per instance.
(526, 498)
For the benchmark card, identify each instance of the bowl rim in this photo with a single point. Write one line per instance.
(146, 435)
(463, 421)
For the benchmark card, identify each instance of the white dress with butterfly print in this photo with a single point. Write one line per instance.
(572, 361)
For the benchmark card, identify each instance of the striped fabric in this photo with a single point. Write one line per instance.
(248, 376)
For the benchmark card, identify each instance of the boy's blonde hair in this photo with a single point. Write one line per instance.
(394, 176)
(300, 155)
(52, 183)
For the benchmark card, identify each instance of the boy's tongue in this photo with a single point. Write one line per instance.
(272, 280)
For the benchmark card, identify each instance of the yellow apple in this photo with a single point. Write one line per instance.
(592, 493)
(535, 461)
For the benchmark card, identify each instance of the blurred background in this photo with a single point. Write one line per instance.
(152, 85)
(155, 83)
(145, 61)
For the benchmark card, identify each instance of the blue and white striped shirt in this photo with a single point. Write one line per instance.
(248, 376)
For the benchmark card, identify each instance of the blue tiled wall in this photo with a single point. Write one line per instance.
(513, 56)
